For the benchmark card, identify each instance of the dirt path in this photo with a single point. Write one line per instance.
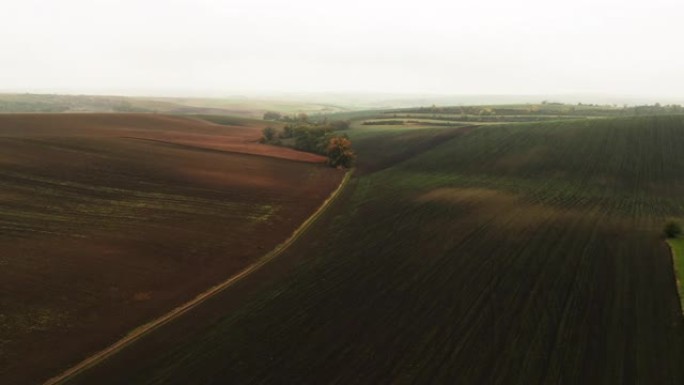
(143, 330)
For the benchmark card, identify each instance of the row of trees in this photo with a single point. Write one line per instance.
(336, 125)
(270, 115)
(278, 117)
(319, 138)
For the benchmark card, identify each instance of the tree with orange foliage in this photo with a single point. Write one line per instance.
(339, 152)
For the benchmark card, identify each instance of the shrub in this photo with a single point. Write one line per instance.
(672, 229)
(268, 134)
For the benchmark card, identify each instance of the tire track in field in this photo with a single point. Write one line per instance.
(153, 325)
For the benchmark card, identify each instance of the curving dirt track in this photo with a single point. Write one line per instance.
(109, 220)
(186, 307)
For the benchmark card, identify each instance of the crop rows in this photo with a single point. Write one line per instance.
(519, 254)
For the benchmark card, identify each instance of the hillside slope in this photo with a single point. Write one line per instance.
(107, 221)
(520, 254)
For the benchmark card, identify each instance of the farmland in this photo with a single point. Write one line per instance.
(454, 116)
(109, 220)
(523, 253)
(677, 246)
(232, 106)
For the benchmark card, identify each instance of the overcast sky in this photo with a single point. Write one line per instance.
(229, 47)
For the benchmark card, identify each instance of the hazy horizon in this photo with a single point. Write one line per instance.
(264, 47)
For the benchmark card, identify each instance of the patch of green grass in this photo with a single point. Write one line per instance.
(229, 120)
(677, 245)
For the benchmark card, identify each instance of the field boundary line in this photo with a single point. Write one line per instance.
(147, 328)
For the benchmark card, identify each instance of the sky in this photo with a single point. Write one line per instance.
(234, 47)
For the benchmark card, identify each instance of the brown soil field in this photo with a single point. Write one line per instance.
(109, 220)
(175, 129)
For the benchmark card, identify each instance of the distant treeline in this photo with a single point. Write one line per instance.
(64, 103)
(456, 119)
(336, 125)
(421, 122)
(383, 122)
(546, 109)
(438, 124)
(12, 106)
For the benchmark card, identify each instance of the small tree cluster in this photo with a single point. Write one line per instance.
(319, 139)
(268, 134)
(306, 137)
(339, 152)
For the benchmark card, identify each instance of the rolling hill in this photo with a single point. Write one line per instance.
(109, 220)
(505, 254)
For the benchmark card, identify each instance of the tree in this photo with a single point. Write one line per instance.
(268, 134)
(672, 229)
(288, 131)
(339, 152)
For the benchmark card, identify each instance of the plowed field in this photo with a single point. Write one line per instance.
(107, 221)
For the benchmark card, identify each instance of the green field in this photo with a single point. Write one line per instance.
(505, 254)
(497, 114)
(677, 246)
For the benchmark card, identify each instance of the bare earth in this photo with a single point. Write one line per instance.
(108, 221)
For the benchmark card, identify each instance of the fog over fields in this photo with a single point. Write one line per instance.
(239, 47)
(210, 192)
